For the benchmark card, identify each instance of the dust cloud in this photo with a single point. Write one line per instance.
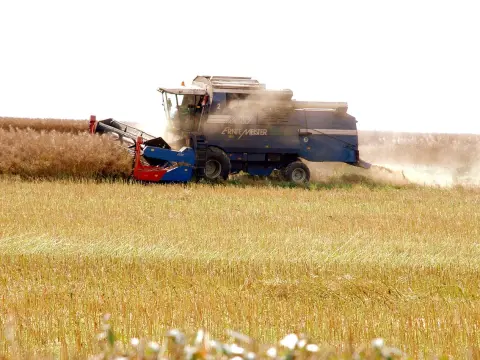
(442, 160)
(154, 128)
(265, 107)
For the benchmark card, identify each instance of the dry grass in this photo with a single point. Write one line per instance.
(51, 154)
(340, 265)
(59, 125)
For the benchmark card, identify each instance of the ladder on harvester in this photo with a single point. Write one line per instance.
(200, 145)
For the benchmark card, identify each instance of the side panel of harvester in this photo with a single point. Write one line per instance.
(252, 136)
(328, 136)
(248, 133)
(258, 146)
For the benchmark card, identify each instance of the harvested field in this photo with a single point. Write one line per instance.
(54, 155)
(345, 264)
(59, 125)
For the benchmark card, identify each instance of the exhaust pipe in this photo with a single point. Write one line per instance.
(361, 163)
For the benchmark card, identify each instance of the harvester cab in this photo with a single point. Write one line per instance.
(185, 108)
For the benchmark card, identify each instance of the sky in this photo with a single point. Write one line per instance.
(400, 65)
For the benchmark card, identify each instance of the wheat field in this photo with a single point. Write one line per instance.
(59, 125)
(355, 256)
(30, 154)
(342, 265)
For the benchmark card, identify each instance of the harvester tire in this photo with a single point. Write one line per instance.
(296, 172)
(217, 165)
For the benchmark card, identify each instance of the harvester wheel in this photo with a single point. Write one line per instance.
(296, 172)
(217, 165)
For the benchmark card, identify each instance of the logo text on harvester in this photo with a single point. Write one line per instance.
(244, 132)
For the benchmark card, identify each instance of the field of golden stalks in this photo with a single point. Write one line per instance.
(29, 153)
(344, 260)
(59, 125)
(341, 265)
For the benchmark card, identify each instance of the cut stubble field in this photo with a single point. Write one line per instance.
(341, 265)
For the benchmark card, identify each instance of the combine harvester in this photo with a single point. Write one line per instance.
(224, 125)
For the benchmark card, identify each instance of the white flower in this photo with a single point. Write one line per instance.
(289, 341)
(155, 347)
(237, 350)
(200, 336)
(272, 352)
(312, 348)
(301, 343)
(378, 343)
(134, 342)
